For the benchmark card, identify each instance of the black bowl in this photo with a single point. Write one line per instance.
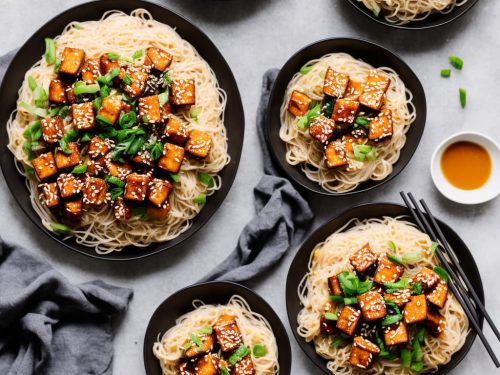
(359, 49)
(434, 20)
(299, 268)
(31, 51)
(215, 292)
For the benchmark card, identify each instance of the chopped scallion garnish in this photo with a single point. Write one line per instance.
(50, 51)
(137, 54)
(463, 97)
(259, 350)
(416, 288)
(456, 62)
(200, 199)
(339, 342)
(410, 258)
(175, 177)
(60, 228)
(113, 56)
(331, 316)
(337, 299)
(82, 88)
(442, 273)
(103, 119)
(306, 69)
(434, 247)
(79, 169)
(163, 98)
(311, 114)
(391, 319)
(40, 112)
(206, 179)
(395, 259)
(240, 353)
(445, 73)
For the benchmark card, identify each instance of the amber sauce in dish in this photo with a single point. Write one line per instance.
(466, 165)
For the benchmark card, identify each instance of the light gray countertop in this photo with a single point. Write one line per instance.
(255, 35)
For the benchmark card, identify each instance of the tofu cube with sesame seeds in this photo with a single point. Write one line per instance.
(427, 277)
(415, 311)
(244, 366)
(136, 187)
(111, 107)
(374, 88)
(171, 158)
(396, 334)
(326, 326)
(64, 160)
(143, 159)
(400, 297)
(69, 185)
(149, 107)
(73, 210)
(158, 191)
(207, 365)
(348, 320)
(166, 111)
(98, 147)
(194, 350)
(349, 141)
(228, 333)
(322, 129)
(363, 353)
(121, 209)
(387, 271)
(158, 58)
(335, 155)
(83, 116)
(57, 92)
(95, 191)
(354, 90)
(106, 65)
(335, 83)
(44, 166)
(95, 167)
(116, 168)
(186, 368)
(72, 60)
(381, 127)
(299, 103)
(435, 322)
(52, 129)
(91, 69)
(176, 130)
(50, 194)
(182, 92)
(158, 213)
(363, 259)
(345, 111)
(365, 344)
(372, 305)
(138, 77)
(70, 93)
(198, 144)
(438, 295)
(334, 285)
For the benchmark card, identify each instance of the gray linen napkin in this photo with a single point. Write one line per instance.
(282, 217)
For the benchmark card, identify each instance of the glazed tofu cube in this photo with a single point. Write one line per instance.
(334, 285)
(387, 271)
(64, 160)
(438, 295)
(415, 311)
(138, 77)
(194, 351)
(322, 129)
(244, 366)
(121, 209)
(73, 210)
(349, 141)
(360, 358)
(207, 365)
(95, 191)
(95, 166)
(158, 213)
(52, 129)
(111, 107)
(91, 69)
(166, 111)
(182, 92)
(372, 305)
(117, 169)
(70, 93)
(149, 108)
(365, 344)
(335, 83)
(299, 103)
(435, 322)
(98, 147)
(44, 166)
(198, 144)
(228, 333)
(354, 90)
(335, 155)
(345, 111)
(72, 60)
(83, 116)
(50, 194)
(143, 158)
(327, 326)
(380, 127)
(176, 130)
(348, 320)
(427, 277)
(159, 58)
(374, 88)
(57, 92)
(158, 191)
(136, 187)
(399, 297)
(107, 65)
(171, 158)
(186, 368)
(69, 185)
(363, 259)
(396, 334)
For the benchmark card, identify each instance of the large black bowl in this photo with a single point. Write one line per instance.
(31, 52)
(299, 268)
(216, 292)
(434, 20)
(369, 52)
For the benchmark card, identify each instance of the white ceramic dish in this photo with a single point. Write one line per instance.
(488, 191)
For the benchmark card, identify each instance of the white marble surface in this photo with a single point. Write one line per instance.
(255, 35)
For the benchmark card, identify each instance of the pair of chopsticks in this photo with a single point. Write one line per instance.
(458, 281)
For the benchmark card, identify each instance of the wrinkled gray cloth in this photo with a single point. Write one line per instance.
(282, 217)
(4, 62)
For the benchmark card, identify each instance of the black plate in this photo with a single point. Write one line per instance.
(359, 49)
(434, 20)
(31, 51)
(216, 292)
(299, 268)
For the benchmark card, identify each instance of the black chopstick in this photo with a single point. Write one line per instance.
(461, 297)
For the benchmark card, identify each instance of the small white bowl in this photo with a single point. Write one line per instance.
(485, 193)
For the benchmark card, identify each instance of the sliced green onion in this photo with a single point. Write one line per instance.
(401, 284)
(163, 98)
(112, 180)
(85, 138)
(240, 353)
(395, 259)
(127, 80)
(311, 114)
(175, 177)
(322, 74)
(361, 151)
(339, 342)
(392, 246)
(328, 107)
(445, 73)
(33, 132)
(224, 371)
(376, 10)
(115, 192)
(350, 300)
(420, 334)
(416, 288)
(456, 62)
(434, 247)
(410, 258)
(32, 83)
(364, 286)
(28, 150)
(331, 316)
(362, 121)
(463, 97)
(405, 358)
(60, 228)
(392, 306)
(54, 111)
(82, 88)
(372, 155)
(50, 51)
(145, 119)
(79, 169)
(127, 120)
(205, 330)
(306, 69)
(195, 338)
(417, 366)
(30, 171)
(103, 119)
(40, 97)
(113, 56)
(200, 199)
(137, 54)
(391, 319)
(57, 65)
(259, 350)
(337, 299)
(206, 179)
(156, 151)
(40, 112)
(441, 273)
(193, 113)
(167, 80)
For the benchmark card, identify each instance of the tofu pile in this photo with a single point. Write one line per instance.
(225, 338)
(337, 128)
(368, 319)
(138, 90)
